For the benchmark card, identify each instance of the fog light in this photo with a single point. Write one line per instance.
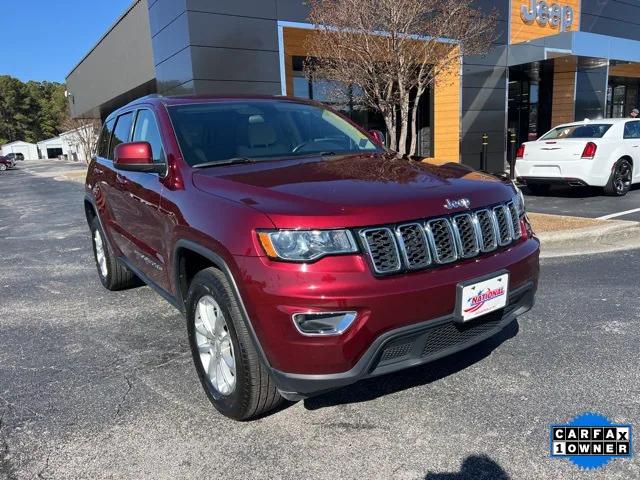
(323, 323)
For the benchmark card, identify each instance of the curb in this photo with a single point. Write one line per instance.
(612, 236)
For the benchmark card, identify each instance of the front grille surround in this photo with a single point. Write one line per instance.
(442, 239)
(382, 249)
(419, 245)
(414, 245)
(466, 234)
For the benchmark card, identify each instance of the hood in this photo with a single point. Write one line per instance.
(350, 191)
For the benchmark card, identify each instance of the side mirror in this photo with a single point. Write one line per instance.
(378, 137)
(136, 157)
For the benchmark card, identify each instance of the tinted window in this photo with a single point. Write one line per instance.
(105, 136)
(147, 131)
(590, 130)
(632, 130)
(221, 131)
(121, 132)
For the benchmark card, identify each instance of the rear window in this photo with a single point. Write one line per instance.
(591, 130)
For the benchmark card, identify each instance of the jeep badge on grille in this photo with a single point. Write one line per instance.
(459, 203)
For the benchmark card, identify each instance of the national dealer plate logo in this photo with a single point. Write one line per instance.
(477, 301)
(591, 440)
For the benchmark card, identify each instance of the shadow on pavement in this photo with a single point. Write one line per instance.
(475, 467)
(372, 388)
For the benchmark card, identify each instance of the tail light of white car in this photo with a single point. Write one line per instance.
(589, 151)
(520, 152)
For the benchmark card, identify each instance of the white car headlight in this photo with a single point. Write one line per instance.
(306, 245)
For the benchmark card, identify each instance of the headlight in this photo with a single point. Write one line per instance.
(305, 245)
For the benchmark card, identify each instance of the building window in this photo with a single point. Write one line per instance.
(348, 100)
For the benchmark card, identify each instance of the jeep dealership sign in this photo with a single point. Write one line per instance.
(554, 15)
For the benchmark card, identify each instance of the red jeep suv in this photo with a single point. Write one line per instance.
(304, 254)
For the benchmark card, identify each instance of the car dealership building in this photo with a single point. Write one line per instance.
(552, 62)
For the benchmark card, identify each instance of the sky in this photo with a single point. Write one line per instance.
(45, 39)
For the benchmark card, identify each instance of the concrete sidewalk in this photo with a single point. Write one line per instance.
(598, 237)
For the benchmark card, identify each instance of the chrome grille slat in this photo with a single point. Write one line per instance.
(443, 243)
(422, 244)
(414, 245)
(488, 227)
(466, 235)
(515, 220)
(505, 227)
(383, 251)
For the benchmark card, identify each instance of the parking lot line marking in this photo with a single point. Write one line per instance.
(618, 214)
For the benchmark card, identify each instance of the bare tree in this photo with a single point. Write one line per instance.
(394, 50)
(82, 133)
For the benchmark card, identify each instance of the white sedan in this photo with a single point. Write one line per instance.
(599, 153)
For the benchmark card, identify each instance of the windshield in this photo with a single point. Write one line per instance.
(213, 132)
(592, 130)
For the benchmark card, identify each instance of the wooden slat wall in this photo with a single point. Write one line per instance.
(446, 112)
(521, 32)
(446, 108)
(564, 84)
(625, 70)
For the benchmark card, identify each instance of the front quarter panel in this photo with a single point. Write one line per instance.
(224, 227)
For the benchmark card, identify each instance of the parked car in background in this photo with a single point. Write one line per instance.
(16, 157)
(305, 255)
(6, 163)
(600, 153)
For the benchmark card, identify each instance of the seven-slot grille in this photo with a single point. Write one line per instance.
(418, 245)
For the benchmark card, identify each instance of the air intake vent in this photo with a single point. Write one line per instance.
(443, 243)
(467, 235)
(382, 249)
(505, 227)
(414, 246)
(488, 229)
(515, 220)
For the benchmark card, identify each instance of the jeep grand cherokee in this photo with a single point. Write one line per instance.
(304, 255)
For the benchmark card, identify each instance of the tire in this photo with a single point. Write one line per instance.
(3, 167)
(247, 390)
(112, 273)
(619, 183)
(538, 188)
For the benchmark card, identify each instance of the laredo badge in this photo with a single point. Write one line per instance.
(590, 440)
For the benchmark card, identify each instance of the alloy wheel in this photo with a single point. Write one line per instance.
(622, 177)
(215, 347)
(101, 256)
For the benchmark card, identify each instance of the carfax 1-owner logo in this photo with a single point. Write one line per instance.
(591, 440)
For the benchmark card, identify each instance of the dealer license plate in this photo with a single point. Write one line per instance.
(479, 297)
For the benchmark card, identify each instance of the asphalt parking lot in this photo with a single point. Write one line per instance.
(586, 202)
(95, 384)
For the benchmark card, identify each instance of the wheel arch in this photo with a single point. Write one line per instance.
(188, 250)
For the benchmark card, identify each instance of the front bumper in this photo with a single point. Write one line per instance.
(410, 346)
(272, 292)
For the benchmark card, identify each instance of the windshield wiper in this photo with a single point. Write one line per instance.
(229, 161)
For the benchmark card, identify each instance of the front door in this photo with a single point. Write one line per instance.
(135, 205)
